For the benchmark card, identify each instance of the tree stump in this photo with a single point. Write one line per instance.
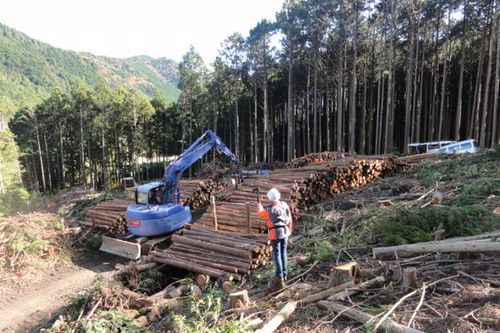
(439, 234)
(238, 299)
(202, 280)
(342, 274)
(437, 198)
(410, 278)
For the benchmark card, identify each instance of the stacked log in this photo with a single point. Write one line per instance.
(317, 158)
(214, 253)
(418, 158)
(198, 193)
(108, 216)
(235, 217)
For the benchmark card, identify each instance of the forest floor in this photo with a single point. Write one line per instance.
(44, 263)
(463, 293)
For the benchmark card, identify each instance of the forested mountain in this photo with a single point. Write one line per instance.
(30, 69)
(362, 76)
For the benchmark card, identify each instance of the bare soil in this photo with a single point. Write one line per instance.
(31, 307)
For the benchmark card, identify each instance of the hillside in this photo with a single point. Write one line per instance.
(29, 69)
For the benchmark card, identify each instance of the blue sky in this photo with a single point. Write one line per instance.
(124, 28)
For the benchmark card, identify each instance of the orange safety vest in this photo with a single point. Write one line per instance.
(264, 215)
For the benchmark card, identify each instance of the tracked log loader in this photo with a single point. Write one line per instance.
(158, 211)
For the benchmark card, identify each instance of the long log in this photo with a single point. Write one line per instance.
(197, 268)
(279, 318)
(470, 246)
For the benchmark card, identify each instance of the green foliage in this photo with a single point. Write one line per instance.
(205, 316)
(264, 274)
(93, 242)
(150, 281)
(324, 251)
(14, 200)
(467, 167)
(407, 226)
(110, 321)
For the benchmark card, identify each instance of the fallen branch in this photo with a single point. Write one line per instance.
(418, 306)
(391, 310)
(356, 289)
(389, 325)
(326, 293)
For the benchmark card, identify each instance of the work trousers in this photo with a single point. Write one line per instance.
(280, 256)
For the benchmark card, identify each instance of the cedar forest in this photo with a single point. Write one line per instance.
(359, 76)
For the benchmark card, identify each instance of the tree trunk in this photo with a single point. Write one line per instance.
(82, 152)
(482, 136)
(291, 118)
(315, 94)
(61, 145)
(236, 122)
(340, 83)
(255, 128)
(494, 136)
(474, 124)
(40, 152)
(390, 87)
(353, 88)
(443, 86)
(103, 161)
(408, 94)
(458, 117)
(308, 104)
(47, 158)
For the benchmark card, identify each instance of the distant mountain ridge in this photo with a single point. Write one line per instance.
(30, 69)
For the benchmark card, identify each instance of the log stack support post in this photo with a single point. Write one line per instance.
(214, 212)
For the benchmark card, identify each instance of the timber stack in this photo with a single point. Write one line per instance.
(199, 192)
(108, 216)
(214, 253)
(317, 158)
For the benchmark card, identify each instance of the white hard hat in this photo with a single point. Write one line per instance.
(273, 194)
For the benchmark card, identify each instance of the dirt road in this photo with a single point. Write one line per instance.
(28, 311)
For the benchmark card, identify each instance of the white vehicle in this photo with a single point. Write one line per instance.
(461, 147)
(428, 147)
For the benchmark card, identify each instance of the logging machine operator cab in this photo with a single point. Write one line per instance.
(149, 194)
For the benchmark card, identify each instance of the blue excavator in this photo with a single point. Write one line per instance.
(158, 210)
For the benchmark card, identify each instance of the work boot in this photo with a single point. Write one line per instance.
(280, 283)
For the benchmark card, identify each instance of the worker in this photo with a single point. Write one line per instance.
(279, 223)
(156, 198)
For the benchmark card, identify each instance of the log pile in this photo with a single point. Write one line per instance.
(317, 158)
(198, 193)
(235, 209)
(214, 253)
(108, 216)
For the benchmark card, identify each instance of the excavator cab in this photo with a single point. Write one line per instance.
(149, 194)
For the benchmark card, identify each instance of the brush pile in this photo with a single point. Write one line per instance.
(215, 253)
(108, 216)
